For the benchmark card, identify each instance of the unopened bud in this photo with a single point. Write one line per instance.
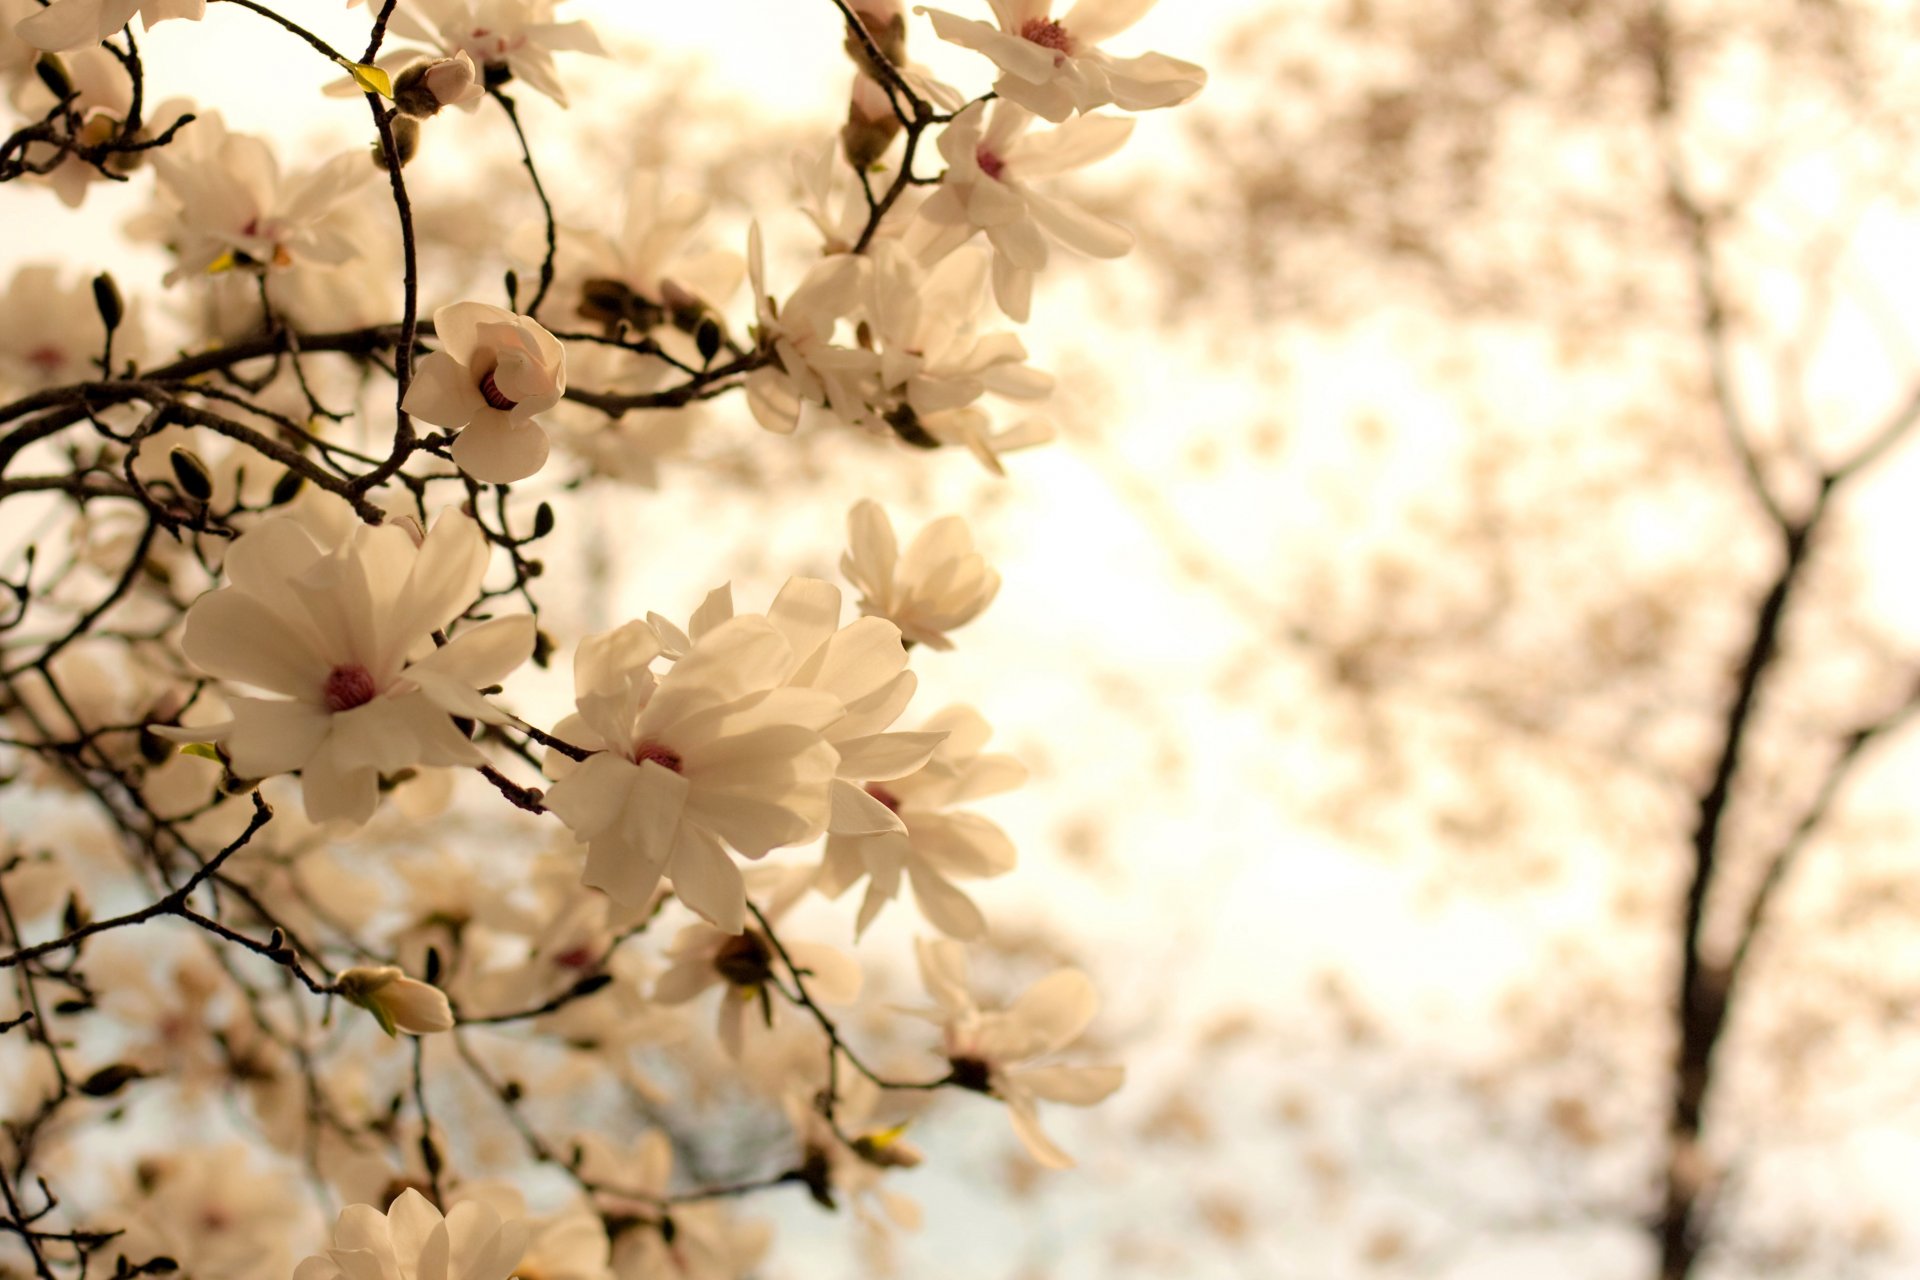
(53, 74)
(397, 1002)
(106, 299)
(191, 474)
(871, 125)
(406, 141)
(886, 23)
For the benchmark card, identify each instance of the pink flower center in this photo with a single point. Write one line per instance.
(1048, 34)
(494, 396)
(884, 796)
(665, 757)
(576, 957)
(990, 164)
(47, 359)
(349, 687)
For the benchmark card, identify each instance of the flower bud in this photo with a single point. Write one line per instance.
(397, 1002)
(406, 140)
(871, 124)
(425, 87)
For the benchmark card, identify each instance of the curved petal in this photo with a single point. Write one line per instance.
(443, 393)
(495, 450)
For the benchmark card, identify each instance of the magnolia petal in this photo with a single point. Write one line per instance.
(493, 449)
(1026, 1126)
(706, 880)
(1074, 1086)
(443, 392)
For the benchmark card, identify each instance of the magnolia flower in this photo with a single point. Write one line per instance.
(397, 1002)
(51, 333)
(862, 665)
(799, 333)
(715, 751)
(649, 275)
(940, 584)
(748, 964)
(494, 371)
(932, 846)
(932, 364)
(425, 87)
(411, 1241)
(345, 637)
(1054, 67)
(855, 1167)
(987, 186)
(698, 1242)
(71, 24)
(103, 96)
(513, 38)
(989, 1049)
(214, 1211)
(228, 206)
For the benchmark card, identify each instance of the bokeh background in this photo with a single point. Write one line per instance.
(1372, 626)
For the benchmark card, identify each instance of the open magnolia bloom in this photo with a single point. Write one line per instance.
(1055, 67)
(514, 37)
(940, 584)
(717, 752)
(990, 1049)
(747, 963)
(992, 162)
(808, 368)
(412, 1241)
(344, 636)
(494, 371)
(72, 24)
(931, 847)
(227, 207)
(863, 665)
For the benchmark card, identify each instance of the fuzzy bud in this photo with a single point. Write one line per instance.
(406, 140)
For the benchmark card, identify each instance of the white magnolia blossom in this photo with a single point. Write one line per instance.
(103, 96)
(808, 368)
(718, 752)
(214, 1211)
(933, 846)
(992, 164)
(1054, 67)
(344, 636)
(73, 24)
(518, 37)
(856, 1169)
(863, 665)
(990, 1049)
(51, 332)
(228, 207)
(706, 1242)
(933, 364)
(939, 585)
(744, 964)
(494, 371)
(397, 1002)
(654, 258)
(412, 1241)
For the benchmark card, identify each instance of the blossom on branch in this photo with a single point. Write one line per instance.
(344, 636)
(716, 753)
(940, 584)
(510, 39)
(227, 206)
(989, 1049)
(1054, 67)
(494, 371)
(412, 1241)
(992, 163)
(74, 24)
(929, 846)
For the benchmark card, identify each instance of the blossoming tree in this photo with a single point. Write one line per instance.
(270, 592)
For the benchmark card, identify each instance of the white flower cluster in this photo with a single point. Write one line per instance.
(323, 595)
